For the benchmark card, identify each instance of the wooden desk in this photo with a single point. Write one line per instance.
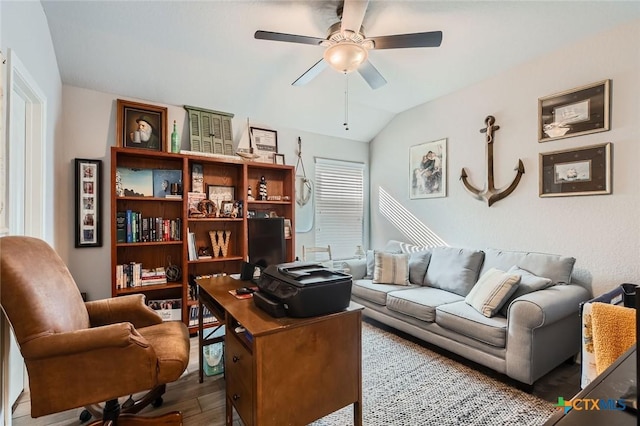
(286, 371)
(612, 383)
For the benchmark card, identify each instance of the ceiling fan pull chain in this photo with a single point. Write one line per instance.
(346, 102)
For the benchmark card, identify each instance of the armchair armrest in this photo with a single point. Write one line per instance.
(82, 341)
(130, 308)
(356, 267)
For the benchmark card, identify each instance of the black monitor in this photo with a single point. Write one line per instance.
(266, 241)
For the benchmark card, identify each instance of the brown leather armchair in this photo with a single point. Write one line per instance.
(78, 354)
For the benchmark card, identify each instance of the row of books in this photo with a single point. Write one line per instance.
(131, 227)
(207, 316)
(132, 274)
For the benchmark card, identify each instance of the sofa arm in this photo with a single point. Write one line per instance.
(543, 331)
(357, 268)
(130, 308)
(547, 306)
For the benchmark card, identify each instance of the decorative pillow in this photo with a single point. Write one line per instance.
(528, 284)
(491, 291)
(418, 263)
(391, 268)
(453, 269)
(389, 248)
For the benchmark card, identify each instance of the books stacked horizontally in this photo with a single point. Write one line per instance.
(133, 275)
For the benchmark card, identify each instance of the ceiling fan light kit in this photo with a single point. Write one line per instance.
(346, 56)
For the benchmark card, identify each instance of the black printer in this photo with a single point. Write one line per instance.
(302, 289)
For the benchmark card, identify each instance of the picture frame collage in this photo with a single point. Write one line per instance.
(88, 203)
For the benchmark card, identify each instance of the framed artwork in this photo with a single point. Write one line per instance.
(264, 143)
(580, 171)
(219, 193)
(88, 203)
(141, 126)
(278, 159)
(575, 112)
(428, 170)
(132, 182)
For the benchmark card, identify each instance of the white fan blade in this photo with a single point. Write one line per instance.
(311, 73)
(371, 75)
(353, 15)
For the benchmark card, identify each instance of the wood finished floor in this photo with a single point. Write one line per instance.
(203, 404)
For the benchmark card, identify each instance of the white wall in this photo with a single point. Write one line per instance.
(25, 30)
(601, 232)
(89, 123)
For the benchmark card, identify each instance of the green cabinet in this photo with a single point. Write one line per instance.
(210, 131)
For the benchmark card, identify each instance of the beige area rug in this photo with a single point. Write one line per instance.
(406, 384)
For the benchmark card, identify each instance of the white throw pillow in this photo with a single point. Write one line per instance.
(391, 268)
(491, 291)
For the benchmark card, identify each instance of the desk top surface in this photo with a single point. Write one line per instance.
(252, 318)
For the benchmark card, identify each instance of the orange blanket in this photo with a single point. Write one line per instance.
(614, 331)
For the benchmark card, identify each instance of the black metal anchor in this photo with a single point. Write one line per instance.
(490, 193)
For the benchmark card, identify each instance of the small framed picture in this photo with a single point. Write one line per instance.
(574, 112)
(220, 193)
(141, 126)
(264, 143)
(428, 170)
(228, 209)
(278, 159)
(88, 203)
(579, 171)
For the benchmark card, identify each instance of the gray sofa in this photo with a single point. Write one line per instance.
(536, 329)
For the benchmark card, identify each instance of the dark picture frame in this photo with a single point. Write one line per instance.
(575, 112)
(428, 170)
(578, 171)
(134, 119)
(88, 203)
(264, 143)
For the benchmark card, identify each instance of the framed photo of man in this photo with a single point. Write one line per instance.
(428, 170)
(141, 126)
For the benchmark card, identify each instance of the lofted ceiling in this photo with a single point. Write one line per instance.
(204, 53)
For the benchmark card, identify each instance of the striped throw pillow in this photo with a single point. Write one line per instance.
(491, 291)
(391, 268)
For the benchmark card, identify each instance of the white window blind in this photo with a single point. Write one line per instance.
(339, 206)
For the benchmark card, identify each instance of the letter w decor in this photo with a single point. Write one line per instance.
(220, 242)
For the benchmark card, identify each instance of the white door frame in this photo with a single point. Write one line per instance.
(25, 198)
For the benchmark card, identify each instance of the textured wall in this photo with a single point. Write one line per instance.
(602, 232)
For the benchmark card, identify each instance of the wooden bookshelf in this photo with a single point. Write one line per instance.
(218, 171)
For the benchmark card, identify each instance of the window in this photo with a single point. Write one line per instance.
(339, 206)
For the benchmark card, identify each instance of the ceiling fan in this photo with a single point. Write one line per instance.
(347, 47)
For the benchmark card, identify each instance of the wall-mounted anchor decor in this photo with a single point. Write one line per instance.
(489, 192)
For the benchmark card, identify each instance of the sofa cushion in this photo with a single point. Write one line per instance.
(557, 268)
(464, 319)
(420, 302)
(391, 268)
(528, 284)
(418, 263)
(491, 291)
(375, 293)
(389, 248)
(453, 269)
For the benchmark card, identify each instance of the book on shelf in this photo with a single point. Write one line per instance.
(137, 228)
(193, 253)
(168, 309)
(207, 316)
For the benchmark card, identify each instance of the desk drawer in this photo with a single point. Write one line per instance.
(239, 376)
